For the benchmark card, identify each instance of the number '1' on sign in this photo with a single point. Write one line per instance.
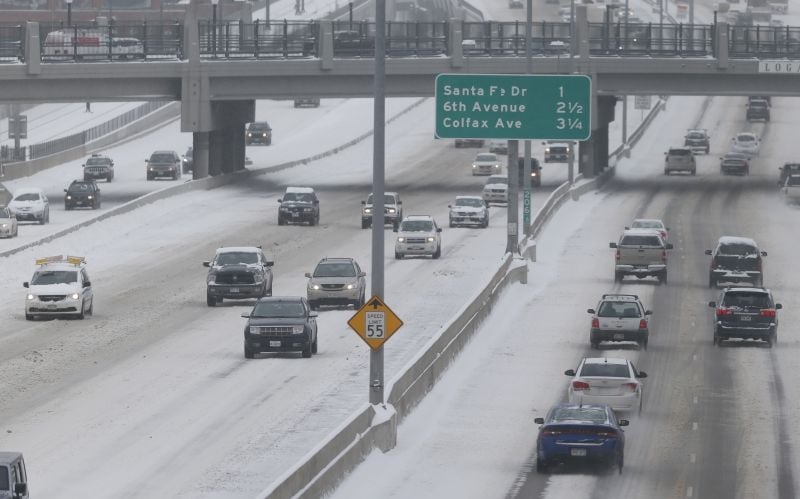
(375, 324)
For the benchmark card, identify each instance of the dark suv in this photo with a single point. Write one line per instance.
(98, 166)
(164, 164)
(787, 170)
(749, 313)
(299, 205)
(697, 140)
(536, 172)
(280, 324)
(757, 109)
(236, 273)
(83, 193)
(736, 259)
(258, 132)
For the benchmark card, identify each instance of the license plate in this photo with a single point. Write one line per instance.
(51, 307)
(234, 290)
(275, 343)
(295, 215)
(577, 452)
(745, 318)
(619, 336)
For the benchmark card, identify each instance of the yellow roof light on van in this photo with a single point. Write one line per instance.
(72, 260)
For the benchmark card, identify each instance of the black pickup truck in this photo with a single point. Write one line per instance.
(735, 260)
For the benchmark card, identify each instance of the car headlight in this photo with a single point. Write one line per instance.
(74, 296)
(367, 210)
(90, 197)
(31, 297)
(307, 210)
(431, 239)
(263, 134)
(474, 165)
(298, 329)
(4, 226)
(212, 279)
(258, 278)
(69, 197)
(401, 239)
(497, 166)
(351, 286)
(546, 149)
(152, 169)
(253, 329)
(249, 134)
(392, 210)
(314, 286)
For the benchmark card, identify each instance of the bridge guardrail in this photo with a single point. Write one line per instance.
(288, 39)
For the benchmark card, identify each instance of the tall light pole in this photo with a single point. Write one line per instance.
(69, 12)
(526, 166)
(214, 26)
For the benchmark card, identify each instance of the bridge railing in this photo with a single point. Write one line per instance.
(286, 39)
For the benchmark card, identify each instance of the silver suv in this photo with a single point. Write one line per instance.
(392, 210)
(680, 159)
(619, 317)
(336, 281)
(13, 476)
(418, 235)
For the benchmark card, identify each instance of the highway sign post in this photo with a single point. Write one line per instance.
(375, 322)
(513, 107)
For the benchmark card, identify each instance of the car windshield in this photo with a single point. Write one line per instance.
(80, 187)
(592, 414)
(745, 138)
(416, 226)
(474, 202)
(335, 270)
(43, 277)
(28, 196)
(497, 180)
(618, 309)
(237, 257)
(680, 152)
(161, 158)
(696, 135)
(647, 224)
(605, 369)
(259, 127)
(5, 213)
(641, 241)
(485, 157)
(793, 181)
(299, 197)
(746, 299)
(279, 309)
(738, 249)
(97, 161)
(387, 199)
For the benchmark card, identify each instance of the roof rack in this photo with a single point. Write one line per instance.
(72, 260)
(635, 297)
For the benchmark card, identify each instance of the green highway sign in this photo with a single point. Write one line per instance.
(513, 107)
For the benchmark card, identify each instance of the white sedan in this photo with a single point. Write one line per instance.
(8, 223)
(746, 143)
(606, 380)
(496, 189)
(650, 223)
(486, 163)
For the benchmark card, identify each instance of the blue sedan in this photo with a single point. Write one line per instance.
(580, 433)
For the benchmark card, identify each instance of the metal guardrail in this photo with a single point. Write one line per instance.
(287, 39)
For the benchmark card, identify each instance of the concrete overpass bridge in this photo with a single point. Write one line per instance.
(217, 72)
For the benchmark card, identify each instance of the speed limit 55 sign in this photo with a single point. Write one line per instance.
(375, 322)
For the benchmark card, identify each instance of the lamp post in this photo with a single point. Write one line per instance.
(609, 8)
(69, 12)
(214, 26)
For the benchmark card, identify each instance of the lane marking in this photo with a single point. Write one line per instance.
(694, 357)
(694, 426)
(694, 399)
(690, 492)
(693, 458)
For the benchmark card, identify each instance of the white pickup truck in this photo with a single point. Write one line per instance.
(791, 189)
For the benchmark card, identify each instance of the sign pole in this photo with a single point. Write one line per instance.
(526, 174)
(378, 156)
(513, 196)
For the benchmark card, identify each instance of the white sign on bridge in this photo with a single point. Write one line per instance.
(780, 66)
(641, 102)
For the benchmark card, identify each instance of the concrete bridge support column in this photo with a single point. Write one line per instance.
(226, 144)
(200, 154)
(593, 153)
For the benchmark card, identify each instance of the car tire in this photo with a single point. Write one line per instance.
(769, 341)
(248, 354)
(307, 351)
(109, 179)
(396, 225)
(717, 341)
(281, 221)
(398, 256)
(663, 278)
(694, 172)
(620, 462)
(666, 172)
(149, 177)
(43, 219)
(365, 224)
(437, 253)
(313, 305)
(210, 300)
(82, 313)
(541, 466)
(712, 283)
(595, 345)
(618, 277)
(643, 344)
(67, 207)
(486, 222)
(452, 224)
(708, 150)
(314, 345)
(28, 317)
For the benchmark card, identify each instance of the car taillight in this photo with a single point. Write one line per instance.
(664, 256)
(724, 311)
(616, 255)
(607, 433)
(758, 264)
(631, 386)
(580, 385)
(768, 312)
(549, 431)
(642, 324)
(595, 323)
(714, 263)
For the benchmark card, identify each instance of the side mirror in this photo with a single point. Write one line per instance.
(362, 274)
(206, 264)
(708, 252)
(394, 229)
(246, 315)
(65, 190)
(438, 229)
(280, 200)
(612, 245)
(21, 489)
(87, 284)
(449, 205)
(667, 228)
(778, 306)
(570, 372)
(363, 202)
(269, 263)
(763, 253)
(25, 285)
(308, 274)
(669, 246)
(623, 422)
(316, 201)
(538, 420)
(648, 312)
(399, 202)
(641, 374)
(712, 304)
(590, 311)
(627, 228)
(147, 161)
(83, 165)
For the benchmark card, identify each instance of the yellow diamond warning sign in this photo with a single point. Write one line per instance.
(375, 322)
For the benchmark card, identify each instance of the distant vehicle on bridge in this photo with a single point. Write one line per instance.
(84, 43)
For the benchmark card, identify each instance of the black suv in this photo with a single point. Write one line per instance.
(299, 205)
(697, 140)
(98, 166)
(164, 164)
(280, 324)
(736, 259)
(187, 161)
(749, 313)
(536, 172)
(757, 109)
(787, 170)
(258, 132)
(237, 273)
(84, 193)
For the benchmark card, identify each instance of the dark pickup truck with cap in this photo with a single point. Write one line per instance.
(238, 272)
(747, 313)
(736, 259)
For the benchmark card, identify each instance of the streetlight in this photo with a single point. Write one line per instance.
(609, 8)
(214, 25)
(69, 12)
